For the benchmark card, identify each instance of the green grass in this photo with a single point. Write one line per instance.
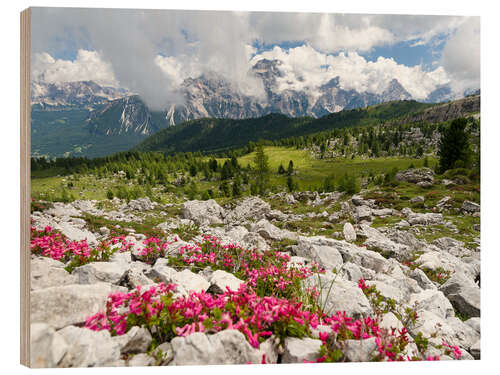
(85, 187)
(311, 172)
(146, 227)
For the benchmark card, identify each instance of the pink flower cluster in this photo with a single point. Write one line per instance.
(455, 349)
(53, 244)
(265, 272)
(154, 249)
(165, 316)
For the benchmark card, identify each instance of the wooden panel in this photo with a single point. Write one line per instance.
(25, 186)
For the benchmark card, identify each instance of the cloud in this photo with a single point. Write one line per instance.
(305, 68)
(461, 55)
(88, 66)
(150, 52)
(332, 33)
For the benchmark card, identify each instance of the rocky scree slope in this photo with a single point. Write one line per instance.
(111, 296)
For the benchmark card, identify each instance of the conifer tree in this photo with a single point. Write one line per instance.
(454, 145)
(261, 161)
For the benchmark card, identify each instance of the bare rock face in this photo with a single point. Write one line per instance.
(137, 340)
(360, 350)
(47, 347)
(464, 295)
(343, 295)
(250, 209)
(203, 212)
(110, 272)
(87, 348)
(46, 272)
(300, 350)
(362, 213)
(271, 232)
(433, 301)
(327, 256)
(141, 204)
(226, 347)
(60, 306)
(417, 199)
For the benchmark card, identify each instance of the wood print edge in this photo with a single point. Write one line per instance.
(25, 46)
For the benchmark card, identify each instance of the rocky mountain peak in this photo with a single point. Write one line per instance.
(395, 91)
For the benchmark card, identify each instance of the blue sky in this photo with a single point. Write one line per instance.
(427, 55)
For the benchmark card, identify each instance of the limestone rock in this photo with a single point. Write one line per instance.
(474, 323)
(47, 347)
(326, 256)
(475, 350)
(223, 280)
(191, 281)
(225, 347)
(344, 295)
(433, 301)
(421, 278)
(360, 350)
(470, 207)
(362, 213)
(349, 232)
(60, 306)
(428, 218)
(270, 232)
(136, 340)
(87, 348)
(416, 175)
(141, 204)
(382, 212)
(95, 272)
(203, 212)
(390, 321)
(417, 199)
(251, 208)
(46, 272)
(76, 234)
(185, 280)
(297, 350)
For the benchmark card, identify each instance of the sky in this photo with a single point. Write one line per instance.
(151, 52)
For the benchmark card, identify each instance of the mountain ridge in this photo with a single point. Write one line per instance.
(213, 135)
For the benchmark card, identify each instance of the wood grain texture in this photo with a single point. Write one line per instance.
(25, 186)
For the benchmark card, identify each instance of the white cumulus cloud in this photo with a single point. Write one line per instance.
(88, 66)
(305, 68)
(461, 55)
(151, 52)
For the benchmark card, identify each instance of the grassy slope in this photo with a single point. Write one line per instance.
(222, 134)
(309, 172)
(312, 172)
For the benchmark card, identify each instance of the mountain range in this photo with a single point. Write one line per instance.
(117, 116)
(215, 134)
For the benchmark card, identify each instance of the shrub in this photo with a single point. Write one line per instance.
(349, 184)
(205, 196)
(109, 194)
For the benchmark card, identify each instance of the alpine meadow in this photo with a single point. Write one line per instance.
(216, 187)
